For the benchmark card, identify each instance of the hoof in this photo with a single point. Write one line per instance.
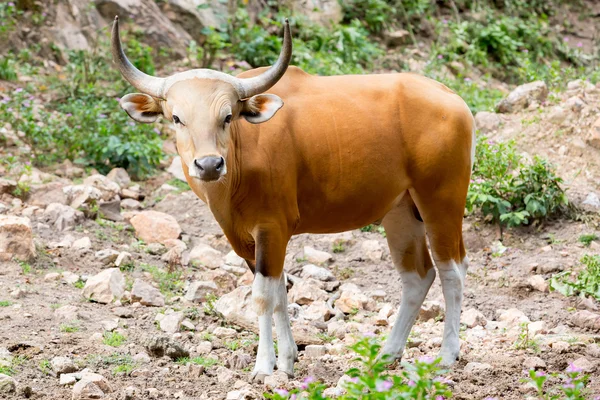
(448, 358)
(258, 377)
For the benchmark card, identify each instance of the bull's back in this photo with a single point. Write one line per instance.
(352, 143)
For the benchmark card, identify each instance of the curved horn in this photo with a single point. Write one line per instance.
(263, 82)
(144, 83)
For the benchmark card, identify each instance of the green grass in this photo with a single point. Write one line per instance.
(25, 267)
(45, 366)
(79, 284)
(588, 239)
(169, 283)
(181, 186)
(114, 339)
(69, 328)
(7, 370)
(5, 303)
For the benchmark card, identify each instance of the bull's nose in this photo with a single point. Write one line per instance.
(210, 168)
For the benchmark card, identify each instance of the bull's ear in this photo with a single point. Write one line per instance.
(141, 107)
(260, 108)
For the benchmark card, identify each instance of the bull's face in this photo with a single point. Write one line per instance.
(202, 105)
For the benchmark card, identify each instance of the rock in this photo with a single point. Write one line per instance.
(110, 210)
(592, 201)
(372, 250)
(171, 322)
(487, 122)
(16, 239)
(575, 104)
(538, 283)
(225, 281)
(204, 347)
(224, 375)
(431, 309)
(472, 318)
(91, 386)
(275, 381)
(159, 31)
(142, 358)
(316, 256)
(146, 294)
(593, 138)
(534, 363)
(107, 256)
(512, 316)
(131, 204)
(586, 319)
(238, 309)
(110, 325)
(234, 260)
(119, 176)
(536, 327)
(68, 379)
(585, 365)
(317, 311)
(238, 361)
(155, 227)
(323, 12)
(194, 16)
(107, 187)
(46, 194)
(560, 346)
(475, 367)
(123, 312)
(176, 169)
(7, 384)
(352, 299)
(318, 273)
(160, 346)
(67, 313)
(524, 95)
(105, 287)
(62, 217)
(62, 365)
(68, 170)
(78, 195)
(558, 115)
(82, 244)
(198, 290)
(222, 332)
(396, 38)
(7, 186)
(306, 292)
(52, 276)
(130, 393)
(70, 277)
(156, 249)
(124, 259)
(206, 255)
(315, 351)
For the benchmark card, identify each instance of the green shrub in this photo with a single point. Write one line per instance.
(510, 192)
(114, 339)
(588, 239)
(419, 380)
(584, 283)
(7, 69)
(571, 385)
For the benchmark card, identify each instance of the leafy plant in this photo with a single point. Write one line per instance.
(45, 366)
(206, 362)
(510, 192)
(370, 380)
(114, 339)
(585, 283)
(588, 239)
(5, 303)
(524, 340)
(69, 328)
(209, 304)
(169, 283)
(572, 384)
(7, 69)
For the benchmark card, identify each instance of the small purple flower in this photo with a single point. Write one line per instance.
(383, 386)
(411, 383)
(467, 79)
(442, 379)
(18, 90)
(579, 44)
(307, 381)
(445, 21)
(440, 57)
(101, 115)
(156, 130)
(539, 374)
(426, 359)
(491, 142)
(28, 163)
(281, 392)
(369, 334)
(569, 386)
(573, 368)
(10, 109)
(30, 98)
(565, 39)
(525, 51)
(293, 396)
(440, 398)
(117, 98)
(353, 380)
(11, 4)
(44, 14)
(68, 115)
(232, 68)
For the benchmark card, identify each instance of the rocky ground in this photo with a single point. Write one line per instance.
(130, 290)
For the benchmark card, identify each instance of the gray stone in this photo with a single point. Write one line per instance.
(431, 309)
(318, 273)
(487, 122)
(476, 367)
(159, 346)
(16, 239)
(592, 200)
(472, 318)
(315, 351)
(237, 308)
(534, 363)
(119, 176)
(82, 244)
(62, 365)
(105, 287)
(222, 332)
(198, 290)
(91, 386)
(538, 283)
(107, 256)
(224, 375)
(306, 292)
(206, 255)
(372, 250)
(146, 294)
(62, 217)
(523, 96)
(111, 210)
(7, 384)
(316, 256)
(171, 322)
(277, 380)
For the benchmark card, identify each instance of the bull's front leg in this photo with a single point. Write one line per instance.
(270, 298)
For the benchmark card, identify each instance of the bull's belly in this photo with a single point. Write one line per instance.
(353, 213)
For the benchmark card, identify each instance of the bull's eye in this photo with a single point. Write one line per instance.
(176, 119)
(228, 119)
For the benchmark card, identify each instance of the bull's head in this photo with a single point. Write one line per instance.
(202, 103)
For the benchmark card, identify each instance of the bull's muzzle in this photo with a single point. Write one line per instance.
(210, 168)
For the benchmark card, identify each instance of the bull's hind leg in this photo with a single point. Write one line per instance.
(442, 213)
(406, 239)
